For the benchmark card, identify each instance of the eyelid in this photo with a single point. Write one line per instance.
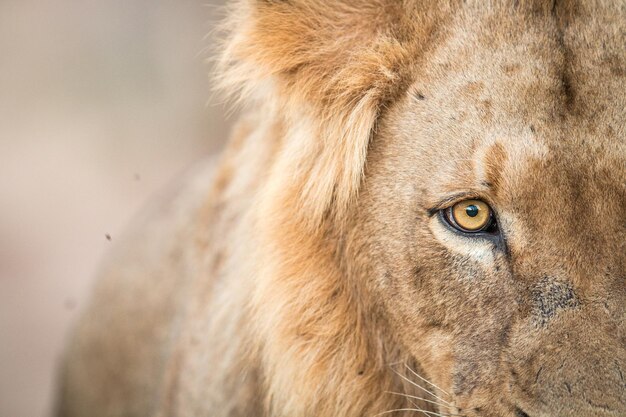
(455, 198)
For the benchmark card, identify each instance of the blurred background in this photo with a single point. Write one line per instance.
(101, 104)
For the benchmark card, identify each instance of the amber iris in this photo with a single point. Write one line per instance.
(471, 215)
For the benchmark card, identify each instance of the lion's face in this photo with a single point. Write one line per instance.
(440, 184)
(526, 317)
(450, 190)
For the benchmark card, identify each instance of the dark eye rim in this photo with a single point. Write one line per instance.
(490, 228)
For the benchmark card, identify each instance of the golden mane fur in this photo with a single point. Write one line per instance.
(360, 61)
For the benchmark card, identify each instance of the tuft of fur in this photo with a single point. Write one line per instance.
(331, 67)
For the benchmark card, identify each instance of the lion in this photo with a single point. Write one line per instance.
(420, 213)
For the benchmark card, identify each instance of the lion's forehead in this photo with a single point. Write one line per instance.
(533, 60)
(564, 76)
(506, 163)
(525, 106)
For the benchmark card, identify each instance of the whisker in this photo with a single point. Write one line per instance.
(426, 381)
(422, 388)
(403, 409)
(419, 410)
(415, 398)
(428, 401)
(424, 411)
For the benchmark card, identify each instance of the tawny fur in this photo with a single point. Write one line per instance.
(307, 272)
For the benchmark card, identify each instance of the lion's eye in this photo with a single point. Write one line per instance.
(470, 216)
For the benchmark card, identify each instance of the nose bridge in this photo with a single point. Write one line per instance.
(573, 342)
(551, 270)
(549, 297)
(555, 280)
(563, 219)
(565, 251)
(568, 262)
(577, 367)
(571, 227)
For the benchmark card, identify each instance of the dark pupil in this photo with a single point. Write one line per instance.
(471, 211)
